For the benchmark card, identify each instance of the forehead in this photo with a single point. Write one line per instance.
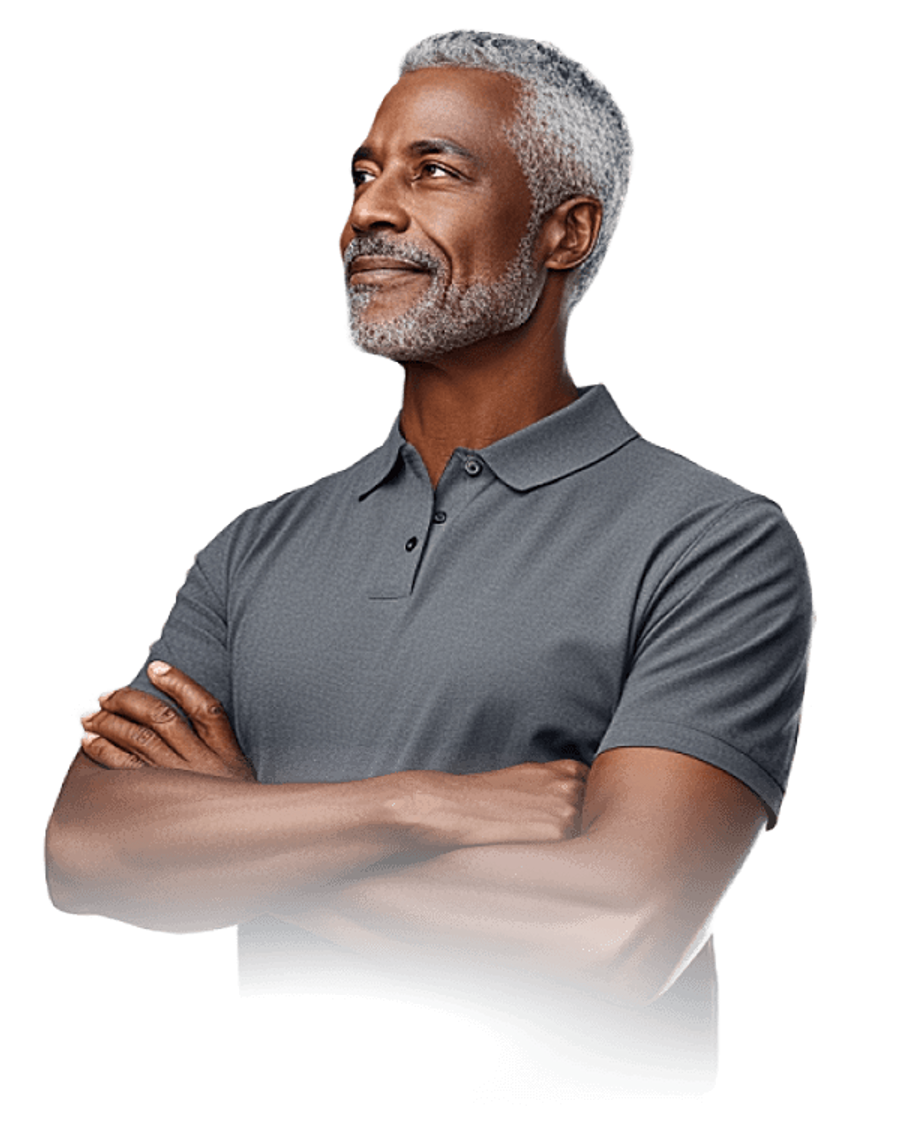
(468, 107)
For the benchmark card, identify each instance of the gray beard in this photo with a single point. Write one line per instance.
(447, 316)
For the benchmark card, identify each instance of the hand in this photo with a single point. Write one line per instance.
(536, 802)
(134, 730)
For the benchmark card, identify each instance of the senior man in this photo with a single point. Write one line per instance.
(518, 688)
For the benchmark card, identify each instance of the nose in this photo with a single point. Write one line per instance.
(379, 205)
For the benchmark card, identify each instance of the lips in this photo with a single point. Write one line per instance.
(374, 267)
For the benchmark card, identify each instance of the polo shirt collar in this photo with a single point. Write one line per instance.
(567, 440)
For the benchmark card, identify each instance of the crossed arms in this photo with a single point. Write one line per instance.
(605, 878)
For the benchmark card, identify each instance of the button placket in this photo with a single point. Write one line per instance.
(399, 533)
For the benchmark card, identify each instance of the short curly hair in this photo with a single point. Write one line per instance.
(570, 136)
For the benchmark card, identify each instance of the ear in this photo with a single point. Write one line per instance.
(570, 232)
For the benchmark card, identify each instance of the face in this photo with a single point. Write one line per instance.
(438, 246)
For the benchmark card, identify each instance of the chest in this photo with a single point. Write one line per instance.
(497, 634)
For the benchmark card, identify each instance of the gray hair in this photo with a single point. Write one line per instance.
(569, 135)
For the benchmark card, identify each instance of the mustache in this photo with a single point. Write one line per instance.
(376, 246)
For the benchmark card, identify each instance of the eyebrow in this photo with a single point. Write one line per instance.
(433, 146)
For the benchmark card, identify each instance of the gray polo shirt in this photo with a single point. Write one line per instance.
(569, 589)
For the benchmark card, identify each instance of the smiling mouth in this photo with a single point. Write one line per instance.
(384, 276)
(376, 269)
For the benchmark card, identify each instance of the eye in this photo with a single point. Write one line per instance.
(427, 171)
(432, 171)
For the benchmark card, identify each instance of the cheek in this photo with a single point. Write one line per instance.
(496, 245)
(498, 234)
(478, 245)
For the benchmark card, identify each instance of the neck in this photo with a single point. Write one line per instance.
(480, 394)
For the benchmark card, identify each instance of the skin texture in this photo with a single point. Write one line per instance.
(609, 885)
(166, 827)
(606, 878)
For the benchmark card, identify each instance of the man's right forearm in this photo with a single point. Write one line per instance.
(172, 850)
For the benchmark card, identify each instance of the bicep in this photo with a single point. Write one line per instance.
(669, 832)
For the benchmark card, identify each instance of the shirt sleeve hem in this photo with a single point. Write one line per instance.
(697, 744)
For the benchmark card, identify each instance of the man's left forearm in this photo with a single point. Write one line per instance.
(546, 910)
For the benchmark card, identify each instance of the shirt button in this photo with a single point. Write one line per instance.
(472, 467)
(439, 517)
(411, 543)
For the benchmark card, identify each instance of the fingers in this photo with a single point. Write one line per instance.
(151, 731)
(147, 712)
(106, 754)
(204, 710)
(137, 739)
(143, 708)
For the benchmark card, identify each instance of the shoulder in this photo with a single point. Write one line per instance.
(669, 483)
(672, 492)
(302, 511)
(667, 508)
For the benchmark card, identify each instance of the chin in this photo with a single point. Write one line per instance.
(372, 345)
(437, 325)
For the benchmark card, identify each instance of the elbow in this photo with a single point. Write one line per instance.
(629, 991)
(633, 957)
(640, 985)
(61, 895)
(644, 969)
(75, 867)
(627, 986)
(86, 874)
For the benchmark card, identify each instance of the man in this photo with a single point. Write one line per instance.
(528, 686)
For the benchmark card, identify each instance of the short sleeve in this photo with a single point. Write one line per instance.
(195, 636)
(719, 663)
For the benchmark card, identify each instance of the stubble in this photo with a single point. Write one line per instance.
(448, 315)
